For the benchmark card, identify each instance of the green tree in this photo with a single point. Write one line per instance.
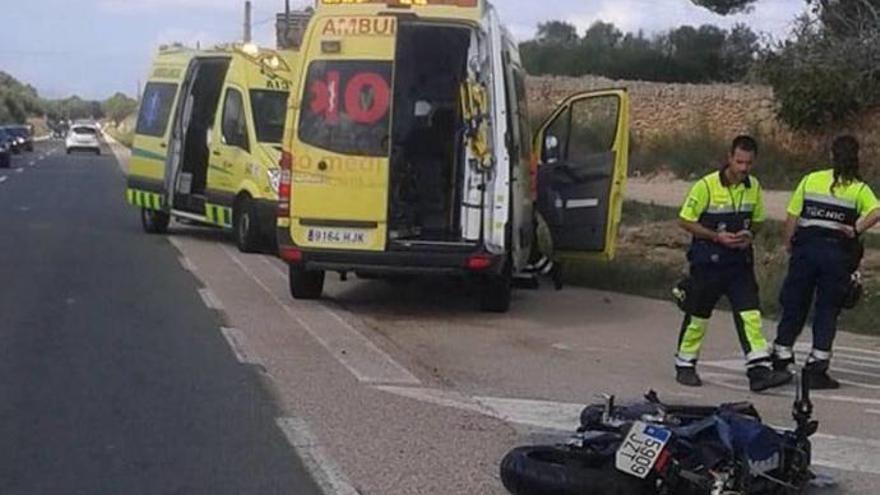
(557, 33)
(829, 71)
(118, 107)
(725, 7)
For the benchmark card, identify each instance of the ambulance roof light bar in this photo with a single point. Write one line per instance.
(402, 3)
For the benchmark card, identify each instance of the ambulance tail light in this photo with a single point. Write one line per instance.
(479, 262)
(291, 255)
(285, 185)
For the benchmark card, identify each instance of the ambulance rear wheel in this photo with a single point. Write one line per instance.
(305, 284)
(247, 232)
(155, 222)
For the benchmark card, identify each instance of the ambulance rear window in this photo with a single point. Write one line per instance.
(346, 107)
(155, 109)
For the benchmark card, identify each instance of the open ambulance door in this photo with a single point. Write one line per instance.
(584, 150)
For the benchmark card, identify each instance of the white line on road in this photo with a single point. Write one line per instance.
(186, 264)
(210, 299)
(19, 170)
(326, 473)
(237, 342)
(873, 411)
(2, 179)
(736, 382)
(352, 349)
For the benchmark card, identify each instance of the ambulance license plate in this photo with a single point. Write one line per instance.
(641, 448)
(338, 237)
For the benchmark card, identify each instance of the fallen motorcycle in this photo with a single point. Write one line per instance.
(653, 448)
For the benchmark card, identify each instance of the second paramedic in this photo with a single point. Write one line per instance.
(828, 211)
(721, 212)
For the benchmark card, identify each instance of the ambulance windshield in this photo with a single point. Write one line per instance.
(270, 111)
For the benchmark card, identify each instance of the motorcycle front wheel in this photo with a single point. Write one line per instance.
(562, 470)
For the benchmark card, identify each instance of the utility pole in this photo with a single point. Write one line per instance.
(286, 20)
(247, 21)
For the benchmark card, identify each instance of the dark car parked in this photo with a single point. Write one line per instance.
(14, 142)
(24, 133)
(6, 142)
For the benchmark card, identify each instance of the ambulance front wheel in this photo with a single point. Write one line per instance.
(155, 222)
(305, 284)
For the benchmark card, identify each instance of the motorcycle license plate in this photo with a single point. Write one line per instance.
(641, 448)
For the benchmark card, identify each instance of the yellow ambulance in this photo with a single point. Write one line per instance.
(208, 140)
(408, 150)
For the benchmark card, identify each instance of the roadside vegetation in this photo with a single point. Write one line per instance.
(688, 154)
(21, 103)
(651, 259)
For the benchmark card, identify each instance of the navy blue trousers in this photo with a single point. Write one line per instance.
(818, 267)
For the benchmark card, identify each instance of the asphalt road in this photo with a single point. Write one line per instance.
(114, 376)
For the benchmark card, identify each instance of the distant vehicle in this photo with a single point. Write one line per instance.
(5, 148)
(24, 134)
(13, 142)
(83, 137)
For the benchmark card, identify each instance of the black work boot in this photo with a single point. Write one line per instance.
(780, 364)
(817, 374)
(687, 376)
(763, 377)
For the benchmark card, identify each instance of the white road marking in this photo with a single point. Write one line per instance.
(19, 170)
(838, 452)
(805, 347)
(445, 398)
(210, 299)
(540, 413)
(561, 346)
(2, 179)
(237, 342)
(186, 264)
(847, 454)
(326, 473)
(31, 163)
(352, 349)
(739, 383)
(873, 411)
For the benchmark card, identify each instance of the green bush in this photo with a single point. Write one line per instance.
(694, 153)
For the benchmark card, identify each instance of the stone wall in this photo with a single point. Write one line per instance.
(723, 109)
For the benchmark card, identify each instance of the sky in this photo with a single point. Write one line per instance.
(94, 48)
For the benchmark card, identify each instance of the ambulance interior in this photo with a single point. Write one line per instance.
(427, 156)
(199, 113)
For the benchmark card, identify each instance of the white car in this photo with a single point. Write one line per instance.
(83, 137)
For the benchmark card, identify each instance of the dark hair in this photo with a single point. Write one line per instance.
(845, 157)
(745, 143)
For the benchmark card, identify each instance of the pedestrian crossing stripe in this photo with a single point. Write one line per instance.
(218, 215)
(145, 199)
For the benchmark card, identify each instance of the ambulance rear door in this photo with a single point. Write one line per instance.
(584, 150)
(146, 174)
(343, 134)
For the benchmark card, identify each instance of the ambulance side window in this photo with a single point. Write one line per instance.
(234, 122)
(155, 109)
(593, 126)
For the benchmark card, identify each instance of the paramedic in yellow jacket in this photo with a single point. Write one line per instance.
(721, 212)
(827, 213)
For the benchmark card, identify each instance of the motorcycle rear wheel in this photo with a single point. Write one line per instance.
(561, 470)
